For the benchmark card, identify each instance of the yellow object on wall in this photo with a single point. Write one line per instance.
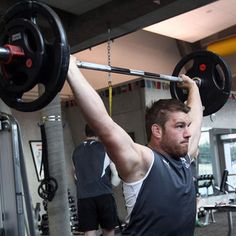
(223, 47)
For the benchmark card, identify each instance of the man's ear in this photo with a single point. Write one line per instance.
(156, 131)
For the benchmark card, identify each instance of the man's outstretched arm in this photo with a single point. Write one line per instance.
(196, 112)
(127, 156)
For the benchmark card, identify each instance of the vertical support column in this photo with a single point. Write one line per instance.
(58, 208)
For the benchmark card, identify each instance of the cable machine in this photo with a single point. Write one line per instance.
(17, 215)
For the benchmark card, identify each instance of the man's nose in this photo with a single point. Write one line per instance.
(187, 133)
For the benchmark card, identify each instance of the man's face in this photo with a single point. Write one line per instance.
(175, 135)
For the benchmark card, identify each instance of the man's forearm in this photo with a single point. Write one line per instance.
(196, 115)
(194, 101)
(88, 99)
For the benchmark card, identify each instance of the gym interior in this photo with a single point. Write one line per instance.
(97, 33)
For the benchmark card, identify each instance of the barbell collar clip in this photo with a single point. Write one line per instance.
(8, 52)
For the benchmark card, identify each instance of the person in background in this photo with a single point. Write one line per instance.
(157, 179)
(95, 175)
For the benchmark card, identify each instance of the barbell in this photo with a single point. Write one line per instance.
(35, 52)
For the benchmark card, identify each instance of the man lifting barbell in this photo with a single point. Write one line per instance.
(157, 179)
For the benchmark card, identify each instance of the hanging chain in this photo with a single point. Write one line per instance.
(109, 54)
(109, 73)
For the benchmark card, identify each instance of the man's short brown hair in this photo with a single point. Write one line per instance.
(159, 112)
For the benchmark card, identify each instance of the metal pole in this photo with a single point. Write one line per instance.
(8, 52)
(119, 70)
(4, 54)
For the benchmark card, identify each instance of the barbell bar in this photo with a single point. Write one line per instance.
(8, 53)
(4, 54)
(30, 57)
(125, 71)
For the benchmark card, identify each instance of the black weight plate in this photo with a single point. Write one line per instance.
(53, 71)
(215, 75)
(48, 188)
(21, 74)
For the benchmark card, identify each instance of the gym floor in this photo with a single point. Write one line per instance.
(219, 228)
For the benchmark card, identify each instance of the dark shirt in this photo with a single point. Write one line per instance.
(166, 203)
(89, 162)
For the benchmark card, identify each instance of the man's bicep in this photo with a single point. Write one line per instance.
(194, 140)
(121, 150)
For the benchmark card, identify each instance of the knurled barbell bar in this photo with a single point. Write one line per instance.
(125, 71)
(9, 52)
(35, 52)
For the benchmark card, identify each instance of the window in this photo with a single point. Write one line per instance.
(205, 156)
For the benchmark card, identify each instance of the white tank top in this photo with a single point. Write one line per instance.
(131, 191)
